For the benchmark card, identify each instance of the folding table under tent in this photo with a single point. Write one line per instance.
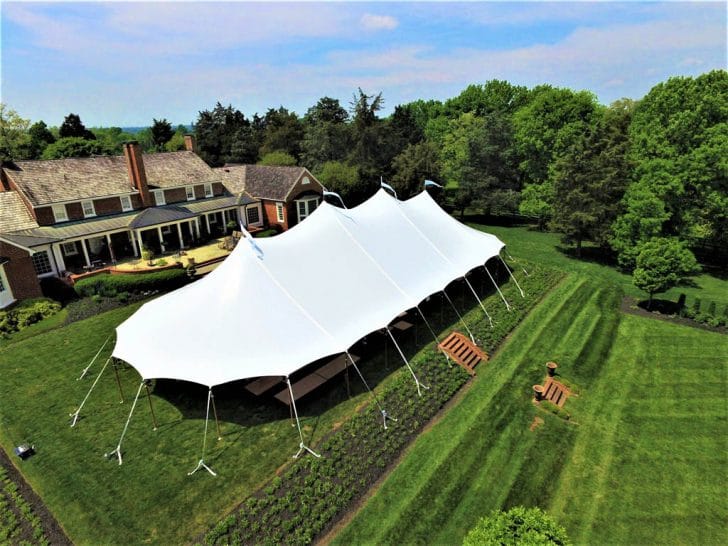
(277, 304)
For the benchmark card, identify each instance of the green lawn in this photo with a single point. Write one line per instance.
(642, 461)
(543, 248)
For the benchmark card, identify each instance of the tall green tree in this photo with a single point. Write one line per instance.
(13, 134)
(162, 133)
(661, 264)
(368, 150)
(73, 127)
(73, 147)
(417, 163)
(217, 130)
(327, 136)
(283, 132)
(344, 179)
(40, 138)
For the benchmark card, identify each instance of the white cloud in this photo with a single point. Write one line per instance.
(378, 22)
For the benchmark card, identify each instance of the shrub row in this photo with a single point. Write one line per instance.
(27, 312)
(18, 523)
(708, 316)
(312, 493)
(111, 285)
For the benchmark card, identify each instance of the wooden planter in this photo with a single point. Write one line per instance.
(551, 367)
(538, 392)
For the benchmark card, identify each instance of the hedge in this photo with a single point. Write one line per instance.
(111, 285)
(27, 312)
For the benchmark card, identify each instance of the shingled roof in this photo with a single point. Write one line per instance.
(13, 213)
(261, 182)
(58, 180)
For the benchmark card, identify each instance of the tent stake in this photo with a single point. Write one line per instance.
(384, 413)
(118, 381)
(214, 411)
(301, 446)
(201, 463)
(434, 335)
(512, 277)
(459, 316)
(149, 397)
(497, 288)
(78, 411)
(479, 301)
(417, 381)
(117, 450)
(85, 370)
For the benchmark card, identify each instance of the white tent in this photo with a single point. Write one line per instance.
(275, 305)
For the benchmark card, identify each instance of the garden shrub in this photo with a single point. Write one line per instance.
(58, 290)
(696, 306)
(111, 285)
(518, 525)
(711, 309)
(27, 312)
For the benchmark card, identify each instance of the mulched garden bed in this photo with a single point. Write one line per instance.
(631, 306)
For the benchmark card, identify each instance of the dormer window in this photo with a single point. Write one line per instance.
(159, 197)
(59, 213)
(125, 203)
(190, 193)
(306, 180)
(89, 211)
(208, 190)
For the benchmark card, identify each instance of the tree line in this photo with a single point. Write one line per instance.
(619, 176)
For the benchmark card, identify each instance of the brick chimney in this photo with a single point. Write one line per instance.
(137, 174)
(190, 143)
(4, 185)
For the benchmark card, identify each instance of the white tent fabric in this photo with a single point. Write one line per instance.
(275, 305)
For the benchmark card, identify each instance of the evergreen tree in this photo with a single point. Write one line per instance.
(73, 127)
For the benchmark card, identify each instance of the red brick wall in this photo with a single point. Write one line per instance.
(136, 201)
(199, 192)
(74, 211)
(20, 272)
(175, 196)
(44, 216)
(313, 187)
(218, 188)
(271, 216)
(108, 205)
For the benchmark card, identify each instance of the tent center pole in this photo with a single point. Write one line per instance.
(512, 277)
(301, 446)
(78, 411)
(434, 335)
(417, 381)
(117, 450)
(384, 413)
(497, 288)
(479, 301)
(86, 369)
(118, 381)
(151, 407)
(201, 463)
(459, 316)
(214, 411)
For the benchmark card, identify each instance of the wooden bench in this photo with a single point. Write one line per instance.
(555, 392)
(463, 351)
(316, 378)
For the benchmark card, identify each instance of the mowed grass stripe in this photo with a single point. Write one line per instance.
(481, 467)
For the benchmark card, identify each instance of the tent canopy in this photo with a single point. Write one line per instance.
(275, 305)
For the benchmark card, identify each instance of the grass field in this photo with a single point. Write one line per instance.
(643, 460)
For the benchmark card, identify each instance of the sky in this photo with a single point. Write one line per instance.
(124, 63)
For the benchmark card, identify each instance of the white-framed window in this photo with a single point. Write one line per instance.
(190, 190)
(2, 285)
(253, 214)
(306, 180)
(208, 190)
(279, 212)
(42, 263)
(59, 213)
(89, 211)
(125, 203)
(69, 249)
(159, 197)
(305, 207)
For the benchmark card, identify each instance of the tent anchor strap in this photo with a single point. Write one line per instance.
(201, 463)
(508, 306)
(512, 276)
(417, 381)
(301, 446)
(472, 338)
(434, 335)
(479, 301)
(117, 450)
(384, 413)
(76, 414)
(86, 369)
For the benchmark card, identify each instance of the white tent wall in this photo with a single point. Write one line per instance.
(275, 305)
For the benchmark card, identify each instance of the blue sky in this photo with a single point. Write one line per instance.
(124, 63)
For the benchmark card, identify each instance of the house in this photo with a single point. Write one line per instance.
(282, 196)
(72, 215)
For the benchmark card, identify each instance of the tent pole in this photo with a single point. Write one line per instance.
(117, 450)
(417, 381)
(214, 411)
(201, 463)
(479, 301)
(459, 316)
(512, 277)
(85, 370)
(434, 335)
(301, 446)
(118, 381)
(78, 411)
(346, 377)
(151, 407)
(384, 413)
(497, 288)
